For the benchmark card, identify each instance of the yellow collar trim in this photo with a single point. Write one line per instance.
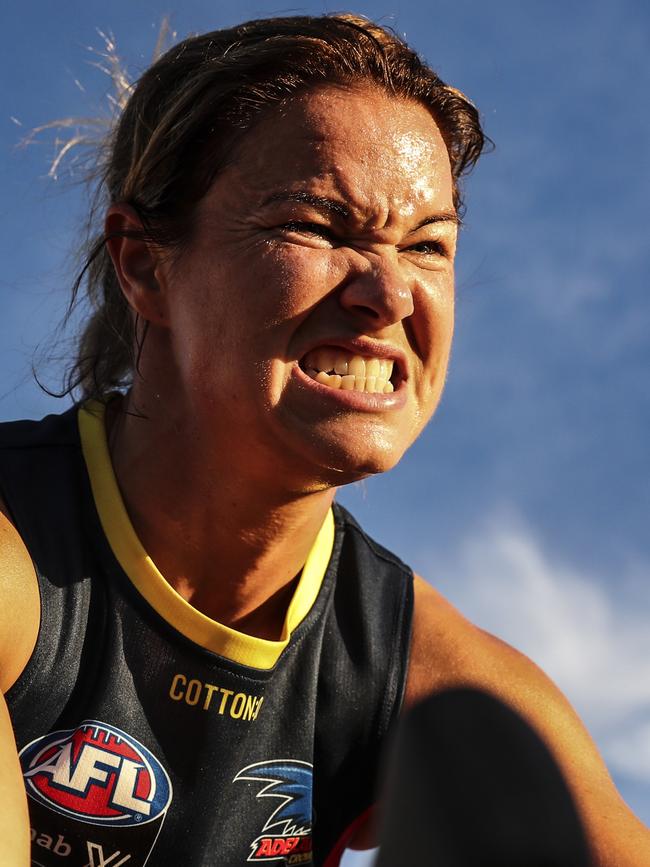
(144, 575)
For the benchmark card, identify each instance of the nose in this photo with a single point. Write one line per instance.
(381, 293)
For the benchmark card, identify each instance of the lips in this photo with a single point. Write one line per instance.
(339, 368)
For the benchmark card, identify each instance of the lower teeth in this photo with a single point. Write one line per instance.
(349, 382)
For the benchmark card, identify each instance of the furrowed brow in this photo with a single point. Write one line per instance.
(310, 199)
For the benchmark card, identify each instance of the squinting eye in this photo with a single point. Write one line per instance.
(308, 229)
(429, 248)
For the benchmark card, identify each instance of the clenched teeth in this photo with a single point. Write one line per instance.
(339, 369)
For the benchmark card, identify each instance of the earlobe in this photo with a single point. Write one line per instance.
(136, 264)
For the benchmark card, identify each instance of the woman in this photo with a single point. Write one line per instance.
(201, 655)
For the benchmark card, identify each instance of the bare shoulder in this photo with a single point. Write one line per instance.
(448, 651)
(442, 645)
(19, 603)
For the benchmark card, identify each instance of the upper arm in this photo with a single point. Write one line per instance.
(448, 652)
(14, 819)
(19, 603)
(19, 622)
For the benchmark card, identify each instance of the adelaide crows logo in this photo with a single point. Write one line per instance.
(286, 835)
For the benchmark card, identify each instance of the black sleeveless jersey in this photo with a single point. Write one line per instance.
(149, 733)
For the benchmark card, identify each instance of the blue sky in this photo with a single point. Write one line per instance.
(527, 499)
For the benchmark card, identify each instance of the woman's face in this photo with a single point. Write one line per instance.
(311, 314)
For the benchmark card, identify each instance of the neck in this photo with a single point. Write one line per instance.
(229, 541)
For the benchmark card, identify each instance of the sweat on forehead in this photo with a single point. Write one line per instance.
(370, 151)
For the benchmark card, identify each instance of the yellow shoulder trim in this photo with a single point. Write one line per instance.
(143, 573)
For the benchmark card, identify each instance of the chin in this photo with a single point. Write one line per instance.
(343, 466)
(339, 450)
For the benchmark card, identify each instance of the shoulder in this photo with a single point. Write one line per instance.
(19, 603)
(378, 585)
(28, 476)
(448, 651)
(37, 468)
(26, 436)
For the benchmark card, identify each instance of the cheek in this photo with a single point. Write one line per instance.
(293, 281)
(436, 318)
(204, 325)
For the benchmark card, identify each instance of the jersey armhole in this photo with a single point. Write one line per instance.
(398, 671)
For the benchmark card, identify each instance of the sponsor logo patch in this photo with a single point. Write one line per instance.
(286, 835)
(97, 774)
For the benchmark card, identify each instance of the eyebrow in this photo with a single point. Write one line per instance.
(311, 199)
(441, 217)
(341, 211)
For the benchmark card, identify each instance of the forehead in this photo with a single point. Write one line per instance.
(380, 154)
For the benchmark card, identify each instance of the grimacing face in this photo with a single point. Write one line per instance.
(311, 313)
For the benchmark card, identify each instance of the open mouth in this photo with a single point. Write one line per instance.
(339, 368)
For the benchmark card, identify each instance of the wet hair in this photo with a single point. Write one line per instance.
(184, 118)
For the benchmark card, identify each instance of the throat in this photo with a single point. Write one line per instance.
(258, 615)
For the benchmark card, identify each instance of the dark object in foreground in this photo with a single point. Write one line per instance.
(470, 784)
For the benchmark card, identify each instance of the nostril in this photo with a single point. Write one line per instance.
(380, 297)
(366, 311)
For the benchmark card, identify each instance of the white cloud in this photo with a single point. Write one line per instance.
(594, 642)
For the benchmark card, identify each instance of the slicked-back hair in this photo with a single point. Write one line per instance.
(182, 123)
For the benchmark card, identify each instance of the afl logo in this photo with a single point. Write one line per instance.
(98, 774)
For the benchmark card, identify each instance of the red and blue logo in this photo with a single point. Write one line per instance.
(98, 774)
(286, 835)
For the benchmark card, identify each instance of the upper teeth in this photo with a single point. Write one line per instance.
(340, 369)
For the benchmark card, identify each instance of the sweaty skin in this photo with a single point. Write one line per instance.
(320, 232)
(332, 227)
(19, 621)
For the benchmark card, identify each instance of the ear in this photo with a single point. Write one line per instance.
(136, 264)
